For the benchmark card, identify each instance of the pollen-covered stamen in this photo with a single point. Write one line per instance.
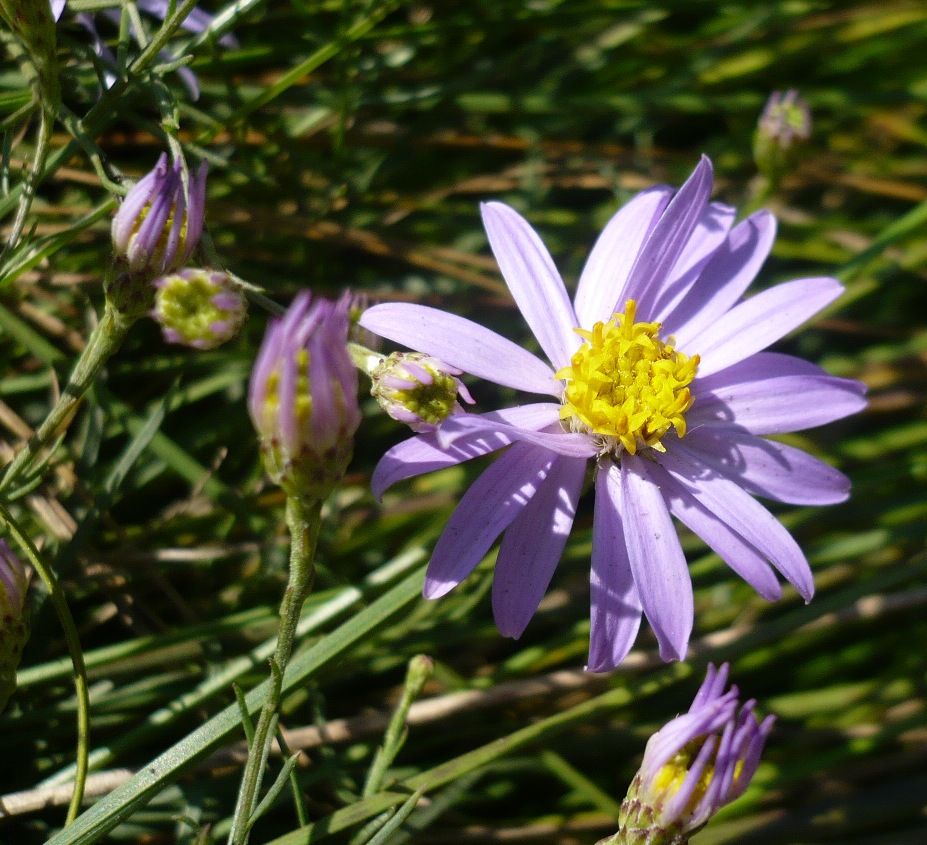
(627, 386)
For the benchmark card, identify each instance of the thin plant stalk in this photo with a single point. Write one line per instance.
(104, 341)
(74, 648)
(303, 520)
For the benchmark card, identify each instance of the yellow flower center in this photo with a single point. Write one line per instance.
(669, 780)
(626, 386)
(303, 399)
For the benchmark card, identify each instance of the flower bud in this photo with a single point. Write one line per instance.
(159, 223)
(418, 390)
(14, 621)
(303, 397)
(358, 303)
(785, 122)
(199, 308)
(420, 671)
(692, 767)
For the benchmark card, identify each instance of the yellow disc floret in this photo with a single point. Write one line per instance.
(626, 386)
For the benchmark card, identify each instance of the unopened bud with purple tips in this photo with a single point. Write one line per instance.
(14, 620)
(358, 303)
(693, 766)
(303, 397)
(199, 308)
(784, 125)
(418, 390)
(159, 223)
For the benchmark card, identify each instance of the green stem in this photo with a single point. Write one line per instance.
(419, 671)
(46, 124)
(303, 520)
(77, 656)
(103, 342)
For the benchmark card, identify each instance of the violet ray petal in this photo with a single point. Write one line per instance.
(613, 254)
(751, 758)
(615, 616)
(667, 241)
(486, 510)
(767, 468)
(712, 798)
(736, 552)
(656, 558)
(723, 279)
(462, 343)
(779, 405)
(139, 195)
(178, 220)
(422, 454)
(710, 234)
(196, 207)
(532, 546)
(759, 321)
(677, 803)
(666, 743)
(533, 279)
(762, 365)
(264, 364)
(570, 445)
(712, 687)
(743, 514)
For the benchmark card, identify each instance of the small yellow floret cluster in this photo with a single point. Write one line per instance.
(669, 780)
(627, 386)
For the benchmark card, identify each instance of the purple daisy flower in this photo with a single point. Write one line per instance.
(693, 766)
(660, 381)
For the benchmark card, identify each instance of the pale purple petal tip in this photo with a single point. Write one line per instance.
(533, 279)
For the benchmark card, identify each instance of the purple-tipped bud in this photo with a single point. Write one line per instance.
(358, 303)
(159, 223)
(418, 390)
(199, 308)
(14, 621)
(783, 126)
(303, 397)
(692, 767)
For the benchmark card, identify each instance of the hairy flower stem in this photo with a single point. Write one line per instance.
(104, 341)
(303, 518)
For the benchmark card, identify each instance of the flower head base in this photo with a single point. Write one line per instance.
(159, 223)
(303, 397)
(626, 386)
(693, 766)
(14, 621)
(418, 390)
(199, 308)
(785, 122)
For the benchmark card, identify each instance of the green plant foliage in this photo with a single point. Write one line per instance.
(349, 144)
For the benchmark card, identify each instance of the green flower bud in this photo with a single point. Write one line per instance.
(783, 126)
(199, 308)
